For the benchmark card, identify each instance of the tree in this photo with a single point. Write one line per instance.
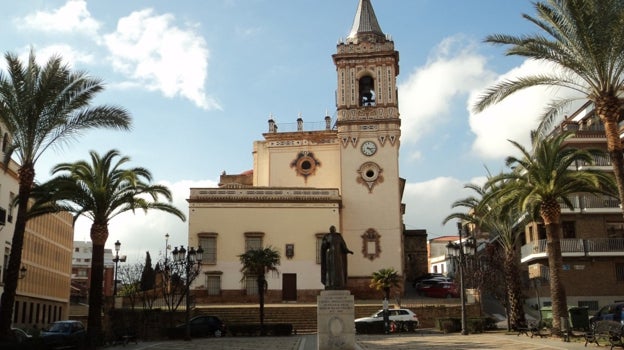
(148, 283)
(539, 182)
(43, 107)
(101, 190)
(257, 262)
(487, 214)
(584, 40)
(385, 279)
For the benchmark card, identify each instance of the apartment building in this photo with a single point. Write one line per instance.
(593, 233)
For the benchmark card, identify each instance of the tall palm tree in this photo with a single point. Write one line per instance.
(101, 190)
(584, 39)
(42, 107)
(257, 262)
(500, 222)
(540, 180)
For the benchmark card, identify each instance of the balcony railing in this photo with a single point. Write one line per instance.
(575, 247)
(583, 203)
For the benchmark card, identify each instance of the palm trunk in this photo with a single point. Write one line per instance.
(555, 265)
(26, 180)
(609, 111)
(514, 288)
(99, 234)
(261, 301)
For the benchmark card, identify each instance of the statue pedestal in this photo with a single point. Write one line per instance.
(335, 320)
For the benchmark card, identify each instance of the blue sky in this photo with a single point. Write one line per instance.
(201, 78)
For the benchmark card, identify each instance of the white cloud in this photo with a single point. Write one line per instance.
(153, 51)
(139, 232)
(454, 69)
(514, 117)
(429, 202)
(70, 55)
(73, 17)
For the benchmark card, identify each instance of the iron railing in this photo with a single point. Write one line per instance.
(575, 247)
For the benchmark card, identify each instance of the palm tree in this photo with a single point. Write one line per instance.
(501, 222)
(101, 190)
(385, 279)
(538, 183)
(42, 107)
(584, 39)
(257, 262)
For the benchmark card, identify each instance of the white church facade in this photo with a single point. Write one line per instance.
(304, 181)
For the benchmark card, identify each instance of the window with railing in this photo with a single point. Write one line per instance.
(208, 242)
(589, 304)
(619, 272)
(213, 283)
(319, 242)
(251, 285)
(253, 240)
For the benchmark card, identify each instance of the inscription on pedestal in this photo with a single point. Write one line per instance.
(335, 320)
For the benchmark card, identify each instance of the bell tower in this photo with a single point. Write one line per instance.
(368, 126)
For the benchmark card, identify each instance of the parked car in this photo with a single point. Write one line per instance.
(203, 326)
(64, 334)
(420, 286)
(611, 312)
(426, 276)
(21, 336)
(441, 290)
(404, 319)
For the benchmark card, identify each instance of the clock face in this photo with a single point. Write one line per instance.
(369, 148)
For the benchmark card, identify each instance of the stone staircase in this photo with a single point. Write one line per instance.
(301, 316)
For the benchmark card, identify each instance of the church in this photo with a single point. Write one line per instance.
(344, 174)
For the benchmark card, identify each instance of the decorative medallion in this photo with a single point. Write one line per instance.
(370, 175)
(370, 244)
(305, 164)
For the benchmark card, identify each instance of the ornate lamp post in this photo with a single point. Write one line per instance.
(116, 260)
(456, 253)
(192, 259)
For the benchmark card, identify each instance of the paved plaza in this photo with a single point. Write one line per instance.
(422, 340)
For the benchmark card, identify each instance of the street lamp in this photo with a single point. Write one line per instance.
(456, 252)
(194, 257)
(116, 260)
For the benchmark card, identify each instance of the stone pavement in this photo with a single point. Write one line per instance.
(421, 340)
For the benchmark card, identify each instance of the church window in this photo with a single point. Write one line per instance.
(208, 242)
(213, 282)
(253, 240)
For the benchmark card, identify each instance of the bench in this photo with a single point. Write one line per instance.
(533, 329)
(123, 337)
(605, 330)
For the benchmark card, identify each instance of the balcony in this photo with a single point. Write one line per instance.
(575, 248)
(585, 203)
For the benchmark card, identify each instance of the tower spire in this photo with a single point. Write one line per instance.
(365, 21)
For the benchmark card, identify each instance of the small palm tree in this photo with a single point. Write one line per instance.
(257, 262)
(538, 183)
(101, 190)
(385, 279)
(42, 107)
(584, 39)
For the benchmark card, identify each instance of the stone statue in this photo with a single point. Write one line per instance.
(334, 260)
